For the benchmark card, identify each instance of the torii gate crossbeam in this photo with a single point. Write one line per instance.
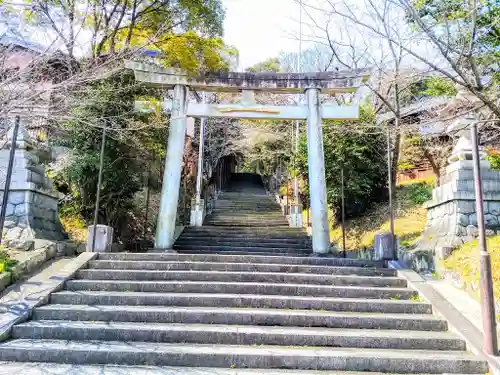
(312, 84)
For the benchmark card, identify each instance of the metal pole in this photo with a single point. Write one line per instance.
(486, 283)
(389, 177)
(343, 213)
(8, 177)
(99, 182)
(200, 154)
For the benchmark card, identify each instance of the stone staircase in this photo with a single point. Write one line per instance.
(245, 221)
(241, 293)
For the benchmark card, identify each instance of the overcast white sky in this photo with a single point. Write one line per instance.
(260, 29)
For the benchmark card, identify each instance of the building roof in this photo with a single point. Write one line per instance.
(12, 40)
(429, 104)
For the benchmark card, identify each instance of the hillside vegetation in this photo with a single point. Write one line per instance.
(410, 218)
(464, 262)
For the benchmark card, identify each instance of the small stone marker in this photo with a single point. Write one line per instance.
(383, 246)
(103, 238)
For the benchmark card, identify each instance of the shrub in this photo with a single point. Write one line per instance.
(359, 156)
(494, 159)
(6, 263)
(419, 193)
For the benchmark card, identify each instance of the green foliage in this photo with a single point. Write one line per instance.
(188, 51)
(438, 86)
(116, 25)
(268, 146)
(362, 158)
(494, 158)
(130, 142)
(419, 193)
(410, 219)
(405, 165)
(269, 65)
(6, 263)
(433, 86)
(464, 262)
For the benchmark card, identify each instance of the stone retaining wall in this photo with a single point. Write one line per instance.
(31, 210)
(451, 215)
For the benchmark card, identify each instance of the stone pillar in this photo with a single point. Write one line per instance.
(198, 205)
(197, 212)
(451, 214)
(165, 229)
(317, 182)
(103, 238)
(32, 203)
(296, 216)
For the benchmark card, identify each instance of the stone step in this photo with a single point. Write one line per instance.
(248, 249)
(273, 224)
(249, 206)
(236, 356)
(263, 200)
(221, 243)
(242, 252)
(250, 237)
(257, 200)
(249, 211)
(246, 214)
(240, 316)
(242, 214)
(37, 368)
(237, 335)
(254, 241)
(242, 288)
(240, 300)
(270, 259)
(247, 224)
(285, 231)
(239, 267)
(247, 277)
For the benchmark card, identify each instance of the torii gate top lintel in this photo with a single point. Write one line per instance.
(293, 83)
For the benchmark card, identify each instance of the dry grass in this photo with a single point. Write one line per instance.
(75, 227)
(409, 224)
(464, 262)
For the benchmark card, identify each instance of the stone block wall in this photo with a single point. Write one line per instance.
(451, 214)
(32, 204)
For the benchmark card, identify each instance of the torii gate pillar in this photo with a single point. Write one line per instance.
(173, 167)
(317, 181)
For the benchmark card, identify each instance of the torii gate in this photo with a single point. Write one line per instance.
(312, 84)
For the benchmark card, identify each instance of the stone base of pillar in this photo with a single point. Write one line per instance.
(103, 238)
(31, 211)
(451, 214)
(197, 213)
(296, 216)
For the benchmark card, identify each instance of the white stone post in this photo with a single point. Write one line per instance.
(317, 181)
(165, 229)
(296, 216)
(103, 238)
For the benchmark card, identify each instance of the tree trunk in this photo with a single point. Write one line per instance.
(436, 170)
(396, 154)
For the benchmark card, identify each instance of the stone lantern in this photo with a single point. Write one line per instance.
(451, 213)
